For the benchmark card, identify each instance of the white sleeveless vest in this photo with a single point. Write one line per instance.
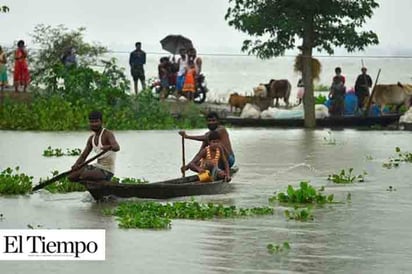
(107, 160)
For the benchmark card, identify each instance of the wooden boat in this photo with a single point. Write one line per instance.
(187, 186)
(330, 122)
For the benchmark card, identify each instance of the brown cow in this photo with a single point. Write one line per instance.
(279, 89)
(238, 101)
(393, 94)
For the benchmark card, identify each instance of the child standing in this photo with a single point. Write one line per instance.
(3, 69)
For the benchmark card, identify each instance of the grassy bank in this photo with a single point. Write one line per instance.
(66, 106)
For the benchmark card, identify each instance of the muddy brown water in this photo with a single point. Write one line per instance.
(369, 234)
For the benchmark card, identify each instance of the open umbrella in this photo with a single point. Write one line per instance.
(174, 42)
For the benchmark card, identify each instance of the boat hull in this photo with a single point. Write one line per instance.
(188, 186)
(330, 122)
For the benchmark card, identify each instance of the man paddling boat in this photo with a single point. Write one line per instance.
(101, 140)
(213, 124)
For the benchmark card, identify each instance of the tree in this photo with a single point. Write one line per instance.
(53, 42)
(4, 9)
(315, 24)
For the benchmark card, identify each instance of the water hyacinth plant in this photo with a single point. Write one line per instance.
(58, 152)
(299, 214)
(63, 185)
(73, 152)
(344, 177)
(401, 157)
(158, 216)
(12, 182)
(306, 194)
(49, 152)
(276, 248)
(130, 180)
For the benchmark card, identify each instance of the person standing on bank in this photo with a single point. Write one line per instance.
(362, 85)
(3, 69)
(21, 68)
(137, 60)
(101, 140)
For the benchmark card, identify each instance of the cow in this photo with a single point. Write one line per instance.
(279, 89)
(261, 90)
(398, 95)
(275, 89)
(238, 101)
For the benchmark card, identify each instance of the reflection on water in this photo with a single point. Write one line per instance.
(369, 234)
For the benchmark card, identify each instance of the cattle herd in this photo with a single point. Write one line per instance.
(264, 95)
(268, 95)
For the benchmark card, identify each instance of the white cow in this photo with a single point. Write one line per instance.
(393, 94)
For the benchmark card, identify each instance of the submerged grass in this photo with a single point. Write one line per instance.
(156, 215)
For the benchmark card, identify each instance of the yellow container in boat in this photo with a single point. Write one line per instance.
(205, 176)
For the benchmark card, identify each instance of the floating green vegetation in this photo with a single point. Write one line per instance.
(73, 152)
(346, 177)
(320, 100)
(299, 214)
(401, 157)
(330, 140)
(277, 248)
(63, 185)
(369, 157)
(306, 194)
(58, 152)
(11, 182)
(130, 180)
(158, 216)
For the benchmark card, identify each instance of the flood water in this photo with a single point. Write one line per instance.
(369, 234)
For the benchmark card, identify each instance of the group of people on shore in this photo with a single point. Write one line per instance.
(183, 73)
(21, 74)
(214, 157)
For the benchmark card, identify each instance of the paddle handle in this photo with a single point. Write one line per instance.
(183, 157)
(61, 175)
(368, 104)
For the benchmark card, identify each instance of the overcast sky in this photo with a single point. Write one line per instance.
(118, 24)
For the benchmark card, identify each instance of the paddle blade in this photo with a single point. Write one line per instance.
(50, 181)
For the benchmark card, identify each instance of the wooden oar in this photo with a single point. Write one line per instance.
(366, 113)
(64, 174)
(183, 156)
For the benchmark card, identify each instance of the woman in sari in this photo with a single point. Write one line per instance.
(21, 69)
(3, 69)
(189, 86)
